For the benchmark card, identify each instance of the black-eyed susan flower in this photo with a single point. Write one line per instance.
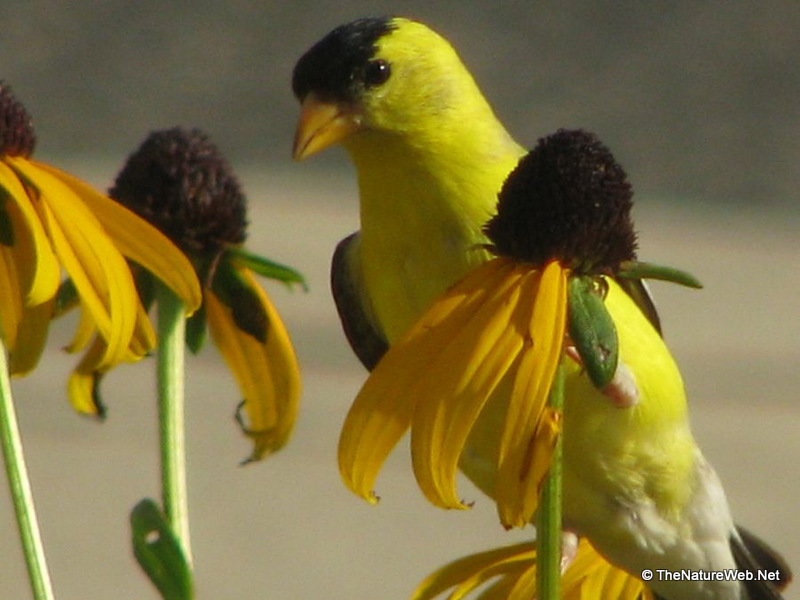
(562, 233)
(509, 573)
(52, 223)
(178, 181)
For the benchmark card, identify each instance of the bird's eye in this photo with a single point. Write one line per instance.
(376, 73)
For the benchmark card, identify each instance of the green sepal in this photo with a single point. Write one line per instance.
(592, 329)
(246, 308)
(268, 268)
(643, 270)
(145, 285)
(159, 552)
(196, 330)
(66, 298)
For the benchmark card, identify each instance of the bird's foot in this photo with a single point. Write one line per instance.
(622, 389)
(569, 549)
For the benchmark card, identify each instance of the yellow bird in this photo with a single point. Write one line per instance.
(430, 157)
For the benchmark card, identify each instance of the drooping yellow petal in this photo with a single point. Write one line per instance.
(499, 590)
(142, 341)
(139, 241)
(452, 574)
(453, 389)
(613, 585)
(144, 336)
(10, 297)
(267, 374)
(24, 317)
(517, 482)
(588, 577)
(84, 333)
(524, 587)
(98, 270)
(41, 283)
(591, 577)
(383, 409)
(511, 569)
(81, 385)
(31, 338)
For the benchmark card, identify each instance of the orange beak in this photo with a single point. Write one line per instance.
(321, 125)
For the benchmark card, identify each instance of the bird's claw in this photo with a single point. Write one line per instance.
(622, 389)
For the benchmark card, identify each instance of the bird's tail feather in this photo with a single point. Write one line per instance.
(752, 554)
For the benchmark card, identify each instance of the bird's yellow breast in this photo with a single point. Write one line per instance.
(622, 455)
(421, 219)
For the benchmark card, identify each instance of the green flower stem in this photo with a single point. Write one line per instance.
(548, 524)
(21, 488)
(171, 342)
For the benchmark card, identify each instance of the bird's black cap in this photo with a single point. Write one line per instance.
(567, 199)
(334, 67)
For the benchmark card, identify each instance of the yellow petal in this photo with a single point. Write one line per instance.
(139, 240)
(267, 374)
(81, 383)
(24, 326)
(42, 282)
(31, 338)
(510, 570)
(591, 577)
(612, 585)
(383, 409)
(454, 573)
(144, 336)
(142, 341)
(84, 333)
(453, 389)
(10, 298)
(588, 577)
(517, 483)
(500, 590)
(464, 296)
(525, 586)
(98, 270)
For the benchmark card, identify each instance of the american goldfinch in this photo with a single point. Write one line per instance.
(636, 485)
(431, 157)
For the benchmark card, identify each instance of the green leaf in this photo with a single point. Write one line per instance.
(159, 553)
(592, 329)
(268, 268)
(246, 308)
(643, 270)
(145, 285)
(66, 298)
(196, 330)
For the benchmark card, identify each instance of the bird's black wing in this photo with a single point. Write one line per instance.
(640, 293)
(753, 554)
(359, 326)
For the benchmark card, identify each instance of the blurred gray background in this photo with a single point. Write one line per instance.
(698, 101)
(699, 98)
